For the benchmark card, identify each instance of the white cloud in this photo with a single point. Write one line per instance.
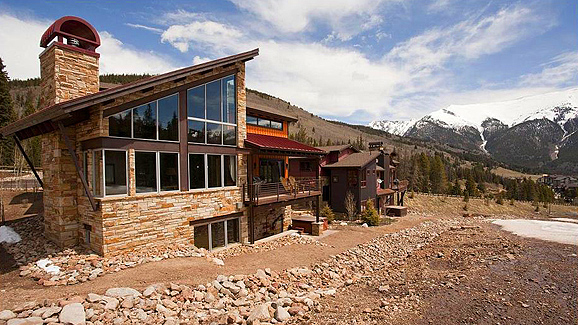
(562, 70)
(20, 48)
(469, 39)
(201, 32)
(148, 28)
(19, 45)
(345, 18)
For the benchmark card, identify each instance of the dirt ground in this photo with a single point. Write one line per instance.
(193, 271)
(467, 276)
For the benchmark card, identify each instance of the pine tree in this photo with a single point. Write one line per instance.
(7, 115)
(470, 185)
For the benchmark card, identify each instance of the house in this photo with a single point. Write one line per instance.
(271, 195)
(163, 160)
(366, 175)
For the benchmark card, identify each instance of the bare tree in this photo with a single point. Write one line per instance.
(350, 205)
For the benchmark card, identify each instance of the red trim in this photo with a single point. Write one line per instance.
(72, 48)
(277, 143)
(55, 30)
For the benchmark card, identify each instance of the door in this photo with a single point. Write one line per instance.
(271, 170)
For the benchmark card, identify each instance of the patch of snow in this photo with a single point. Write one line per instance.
(556, 231)
(484, 142)
(394, 127)
(8, 235)
(47, 266)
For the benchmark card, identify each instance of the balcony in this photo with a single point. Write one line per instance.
(285, 191)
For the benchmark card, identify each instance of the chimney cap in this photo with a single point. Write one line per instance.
(72, 27)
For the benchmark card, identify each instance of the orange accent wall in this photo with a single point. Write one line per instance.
(268, 131)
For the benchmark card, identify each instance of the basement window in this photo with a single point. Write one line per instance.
(217, 234)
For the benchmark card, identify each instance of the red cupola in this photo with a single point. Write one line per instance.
(76, 31)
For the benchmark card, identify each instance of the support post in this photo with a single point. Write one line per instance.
(317, 208)
(77, 166)
(17, 140)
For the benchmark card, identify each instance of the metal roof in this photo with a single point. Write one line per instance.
(63, 110)
(267, 142)
(339, 148)
(355, 160)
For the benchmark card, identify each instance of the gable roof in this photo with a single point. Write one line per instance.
(338, 148)
(355, 160)
(63, 110)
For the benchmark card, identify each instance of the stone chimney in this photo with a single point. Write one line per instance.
(68, 69)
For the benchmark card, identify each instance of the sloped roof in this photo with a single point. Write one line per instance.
(355, 160)
(63, 110)
(284, 145)
(255, 104)
(339, 148)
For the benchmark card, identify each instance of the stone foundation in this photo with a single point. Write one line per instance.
(268, 222)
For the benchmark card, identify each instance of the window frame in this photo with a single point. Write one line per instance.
(156, 120)
(104, 173)
(158, 172)
(206, 160)
(259, 119)
(221, 106)
(210, 235)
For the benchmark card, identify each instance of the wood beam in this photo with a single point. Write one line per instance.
(28, 160)
(77, 166)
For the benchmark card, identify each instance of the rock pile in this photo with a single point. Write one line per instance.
(263, 297)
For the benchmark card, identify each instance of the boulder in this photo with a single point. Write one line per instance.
(281, 314)
(6, 315)
(73, 314)
(259, 313)
(122, 292)
(25, 321)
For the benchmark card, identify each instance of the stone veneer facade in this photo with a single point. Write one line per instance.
(124, 223)
(65, 74)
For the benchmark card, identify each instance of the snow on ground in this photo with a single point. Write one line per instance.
(47, 266)
(8, 235)
(556, 231)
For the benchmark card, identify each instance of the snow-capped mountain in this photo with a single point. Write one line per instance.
(529, 131)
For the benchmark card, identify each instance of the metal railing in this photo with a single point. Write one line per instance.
(275, 192)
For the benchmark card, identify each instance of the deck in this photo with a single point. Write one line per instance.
(286, 192)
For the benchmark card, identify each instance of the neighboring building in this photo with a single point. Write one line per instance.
(272, 194)
(166, 159)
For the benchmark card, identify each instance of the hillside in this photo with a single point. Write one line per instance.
(537, 133)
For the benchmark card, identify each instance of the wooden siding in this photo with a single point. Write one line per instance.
(255, 129)
(257, 158)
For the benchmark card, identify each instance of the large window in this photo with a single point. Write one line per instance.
(157, 120)
(145, 171)
(212, 113)
(211, 171)
(169, 171)
(156, 171)
(115, 175)
(217, 234)
(263, 122)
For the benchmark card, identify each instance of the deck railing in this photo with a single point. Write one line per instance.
(280, 191)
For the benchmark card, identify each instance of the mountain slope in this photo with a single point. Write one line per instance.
(531, 132)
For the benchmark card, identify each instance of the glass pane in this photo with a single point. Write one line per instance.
(202, 236)
(119, 124)
(229, 135)
(196, 171)
(214, 133)
(214, 100)
(196, 102)
(264, 122)
(196, 131)
(145, 164)
(251, 120)
(169, 170)
(169, 118)
(218, 234)
(232, 231)
(115, 172)
(214, 163)
(230, 166)
(144, 121)
(277, 125)
(229, 111)
(97, 172)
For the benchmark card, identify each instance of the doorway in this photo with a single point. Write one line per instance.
(271, 170)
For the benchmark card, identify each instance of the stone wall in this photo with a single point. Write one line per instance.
(268, 222)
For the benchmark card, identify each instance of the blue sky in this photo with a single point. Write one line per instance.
(349, 60)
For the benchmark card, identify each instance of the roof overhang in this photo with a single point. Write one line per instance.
(43, 120)
(278, 145)
(268, 114)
